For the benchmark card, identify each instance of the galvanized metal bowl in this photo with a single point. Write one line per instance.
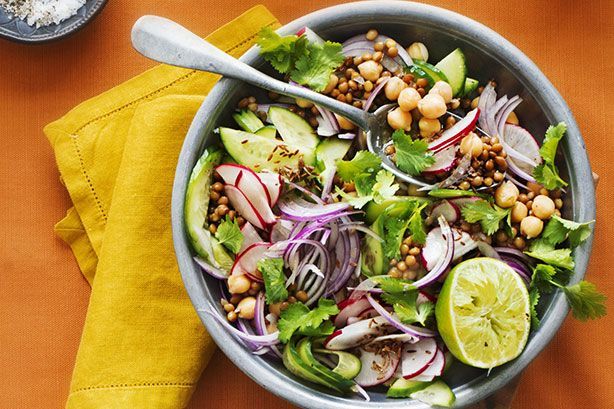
(489, 56)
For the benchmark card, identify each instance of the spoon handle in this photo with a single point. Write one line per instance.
(165, 41)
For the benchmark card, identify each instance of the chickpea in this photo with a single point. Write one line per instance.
(519, 212)
(432, 106)
(303, 103)
(506, 195)
(372, 34)
(512, 118)
(429, 127)
(444, 89)
(543, 207)
(418, 51)
(247, 308)
(471, 144)
(332, 84)
(408, 99)
(393, 88)
(370, 70)
(344, 123)
(531, 227)
(238, 284)
(399, 119)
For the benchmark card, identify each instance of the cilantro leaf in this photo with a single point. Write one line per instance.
(543, 276)
(384, 187)
(544, 251)
(364, 183)
(394, 229)
(416, 226)
(229, 234)
(314, 67)
(546, 173)
(585, 301)
(393, 285)
(407, 309)
(363, 162)
(324, 329)
(558, 230)
(297, 317)
(272, 270)
(280, 52)
(533, 301)
(354, 199)
(412, 157)
(488, 215)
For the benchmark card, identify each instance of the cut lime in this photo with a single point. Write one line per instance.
(483, 313)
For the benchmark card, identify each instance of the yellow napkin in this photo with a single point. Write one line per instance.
(143, 345)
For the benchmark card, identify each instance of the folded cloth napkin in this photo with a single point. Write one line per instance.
(143, 345)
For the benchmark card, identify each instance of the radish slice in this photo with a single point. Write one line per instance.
(395, 337)
(247, 261)
(230, 172)
(281, 230)
(520, 140)
(244, 206)
(377, 367)
(250, 236)
(423, 297)
(435, 246)
(447, 209)
(444, 161)
(417, 357)
(254, 190)
(310, 34)
(350, 308)
(454, 134)
(356, 334)
(436, 367)
(273, 184)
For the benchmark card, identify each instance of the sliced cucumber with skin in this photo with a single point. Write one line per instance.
(373, 258)
(326, 376)
(268, 131)
(452, 193)
(403, 388)
(373, 209)
(455, 69)
(470, 86)
(348, 365)
(437, 394)
(435, 73)
(196, 209)
(295, 131)
(418, 72)
(256, 151)
(327, 153)
(248, 120)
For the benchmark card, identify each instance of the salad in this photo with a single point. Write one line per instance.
(355, 279)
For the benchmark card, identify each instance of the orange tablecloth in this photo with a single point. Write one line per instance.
(43, 297)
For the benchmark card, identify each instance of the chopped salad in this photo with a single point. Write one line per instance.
(354, 278)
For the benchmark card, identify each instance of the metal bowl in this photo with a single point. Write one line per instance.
(489, 56)
(15, 29)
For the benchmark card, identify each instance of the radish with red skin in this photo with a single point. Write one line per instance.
(423, 297)
(416, 358)
(247, 261)
(377, 367)
(350, 308)
(435, 245)
(445, 160)
(250, 236)
(435, 368)
(244, 207)
(357, 334)
(454, 134)
(447, 209)
(273, 184)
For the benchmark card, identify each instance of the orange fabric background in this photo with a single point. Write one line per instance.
(43, 297)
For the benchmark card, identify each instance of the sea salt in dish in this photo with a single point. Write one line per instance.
(42, 13)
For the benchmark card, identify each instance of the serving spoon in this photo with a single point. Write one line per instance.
(165, 41)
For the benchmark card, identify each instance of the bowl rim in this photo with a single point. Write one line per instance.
(535, 82)
(69, 29)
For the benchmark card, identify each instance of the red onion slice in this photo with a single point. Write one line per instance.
(444, 262)
(412, 330)
(209, 269)
(301, 210)
(375, 93)
(263, 340)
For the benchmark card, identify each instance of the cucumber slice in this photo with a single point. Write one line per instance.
(327, 153)
(454, 67)
(373, 258)
(452, 193)
(348, 365)
(268, 131)
(403, 388)
(256, 151)
(195, 212)
(470, 86)
(418, 72)
(373, 209)
(326, 376)
(295, 131)
(434, 72)
(437, 393)
(247, 120)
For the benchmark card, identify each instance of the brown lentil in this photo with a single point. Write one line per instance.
(558, 202)
(414, 251)
(232, 316)
(404, 249)
(218, 187)
(519, 243)
(302, 296)
(422, 82)
(212, 228)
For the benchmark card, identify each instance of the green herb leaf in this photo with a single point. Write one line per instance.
(324, 329)
(354, 199)
(412, 157)
(407, 309)
(533, 301)
(488, 215)
(393, 285)
(558, 230)
(394, 229)
(272, 270)
(363, 162)
(280, 52)
(384, 187)
(416, 225)
(543, 276)
(546, 173)
(315, 67)
(544, 251)
(297, 317)
(585, 301)
(229, 234)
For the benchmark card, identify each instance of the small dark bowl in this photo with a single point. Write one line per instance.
(15, 29)
(489, 56)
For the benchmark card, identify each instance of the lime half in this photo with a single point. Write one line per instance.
(483, 313)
